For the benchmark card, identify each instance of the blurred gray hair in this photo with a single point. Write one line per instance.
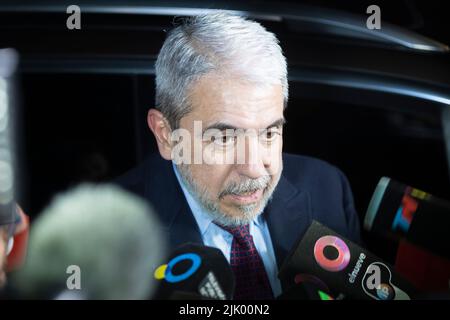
(220, 42)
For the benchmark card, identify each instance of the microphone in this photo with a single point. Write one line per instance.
(348, 270)
(307, 287)
(18, 242)
(195, 272)
(400, 211)
(428, 272)
(92, 242)
(8, 63)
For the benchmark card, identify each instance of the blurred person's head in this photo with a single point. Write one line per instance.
(221, 88)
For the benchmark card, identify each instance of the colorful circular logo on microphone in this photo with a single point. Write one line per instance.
(385, 292)
(332, 264)
(165, 271)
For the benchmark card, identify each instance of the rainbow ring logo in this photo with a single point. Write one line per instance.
(333, 265)
(165, 271)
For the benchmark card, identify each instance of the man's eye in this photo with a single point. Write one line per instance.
(224, 140)
(270, 135)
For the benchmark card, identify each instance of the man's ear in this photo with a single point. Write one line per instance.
(161, 129)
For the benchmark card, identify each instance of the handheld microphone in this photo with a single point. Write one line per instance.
(18, 242)
(426, 271)
(307, 287)
(8, 63)
(195, 272)
(93, 242)
(347, 269)
(400, 211)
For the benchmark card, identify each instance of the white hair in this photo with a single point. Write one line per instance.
(222, 42)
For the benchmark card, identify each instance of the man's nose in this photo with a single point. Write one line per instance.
(252, 171)
(256, 161)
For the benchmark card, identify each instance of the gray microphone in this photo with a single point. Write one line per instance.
(93, 242)
(8, 64)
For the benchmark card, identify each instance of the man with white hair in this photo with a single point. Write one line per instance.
(221, 178)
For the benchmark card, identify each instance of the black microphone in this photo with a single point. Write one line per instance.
(349, 270)
(426, 271)
(307, 287)
(195, 272)
(400, 211)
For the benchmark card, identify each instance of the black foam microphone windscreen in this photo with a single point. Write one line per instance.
(195, 272)
(307, 287)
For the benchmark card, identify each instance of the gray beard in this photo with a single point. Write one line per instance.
(202, 196)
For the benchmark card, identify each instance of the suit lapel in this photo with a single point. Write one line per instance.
(176, 217)
(288, 215)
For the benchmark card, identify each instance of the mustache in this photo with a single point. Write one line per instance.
(248, 185)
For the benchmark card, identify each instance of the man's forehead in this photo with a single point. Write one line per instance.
(240, 118)
(223, 123)
(242, 107)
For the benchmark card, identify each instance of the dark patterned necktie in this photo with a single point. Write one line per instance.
(251, 278)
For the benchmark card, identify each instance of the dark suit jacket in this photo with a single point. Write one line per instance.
(308, 189)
